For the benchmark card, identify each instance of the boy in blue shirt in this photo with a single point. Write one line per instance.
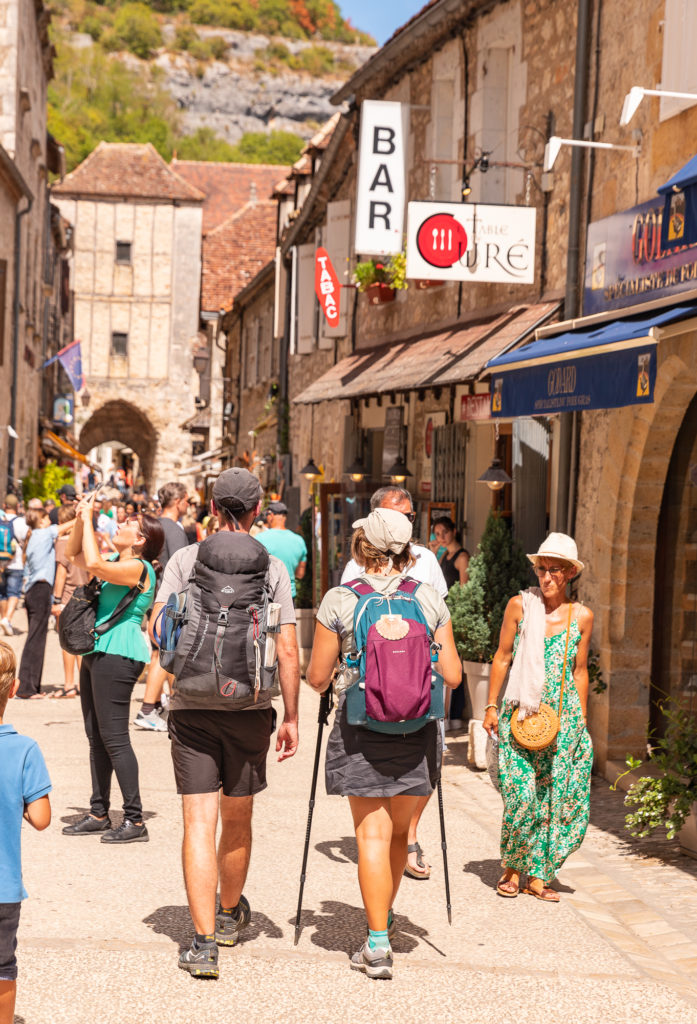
(24, 789)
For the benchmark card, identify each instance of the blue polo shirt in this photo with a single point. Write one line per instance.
(23, 779)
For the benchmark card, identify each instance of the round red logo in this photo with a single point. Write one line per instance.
(441, 240)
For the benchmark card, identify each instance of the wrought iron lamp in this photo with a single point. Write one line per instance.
(495, 477)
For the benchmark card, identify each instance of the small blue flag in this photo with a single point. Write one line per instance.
(71, 360)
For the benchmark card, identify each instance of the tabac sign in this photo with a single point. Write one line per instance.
(471, 242)
(327, 287)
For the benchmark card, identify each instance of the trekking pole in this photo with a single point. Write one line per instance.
(325, 706)
(444, 847)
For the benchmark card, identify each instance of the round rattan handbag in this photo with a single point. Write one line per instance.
(540, 730)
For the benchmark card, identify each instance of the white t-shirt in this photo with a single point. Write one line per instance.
(19, 530)
(426, 570)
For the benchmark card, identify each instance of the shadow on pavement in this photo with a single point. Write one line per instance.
(456, 754)
(19, 1020)
(343, 851)
(175, 923)
(341, 927)
(116, 816)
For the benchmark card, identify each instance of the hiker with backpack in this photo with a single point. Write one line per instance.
(225, 621)
(394, 637)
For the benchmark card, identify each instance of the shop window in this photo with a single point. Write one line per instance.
(679, 71)
(119, 344)
(123, 253)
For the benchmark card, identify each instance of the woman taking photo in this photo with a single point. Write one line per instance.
(546, 793)
(455, 559)
(383, 775)
(109, 672)
(69, 577)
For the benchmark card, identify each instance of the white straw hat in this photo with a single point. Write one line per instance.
(558, 545)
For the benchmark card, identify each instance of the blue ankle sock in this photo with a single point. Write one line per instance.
(378, 940)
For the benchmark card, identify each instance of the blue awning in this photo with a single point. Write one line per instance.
(605, 366)
(687, 175)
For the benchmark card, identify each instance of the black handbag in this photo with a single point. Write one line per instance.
(77, 632)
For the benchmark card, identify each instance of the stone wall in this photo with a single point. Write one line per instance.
(154, 300)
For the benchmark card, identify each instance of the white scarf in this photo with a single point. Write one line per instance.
(527, 676)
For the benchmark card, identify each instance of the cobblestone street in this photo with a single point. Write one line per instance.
(100, 933)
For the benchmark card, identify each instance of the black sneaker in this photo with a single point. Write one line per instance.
(87, 826)
(229, 924)
(127, 832)
(200, 961)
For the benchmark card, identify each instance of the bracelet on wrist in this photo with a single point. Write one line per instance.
(494, 706)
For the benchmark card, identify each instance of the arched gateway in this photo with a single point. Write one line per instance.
(122, 421)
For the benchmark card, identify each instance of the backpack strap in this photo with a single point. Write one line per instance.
(359, 587)
(125, 601)
(408, 586)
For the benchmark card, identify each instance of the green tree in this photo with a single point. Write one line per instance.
(239, 14)
(138, 29)
(204, 144)
(275, 148)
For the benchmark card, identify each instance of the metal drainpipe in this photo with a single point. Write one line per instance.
(11, 449)
(568, 432)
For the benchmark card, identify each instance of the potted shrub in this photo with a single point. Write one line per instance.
(498, 570)
(380, 281)
(667, 798)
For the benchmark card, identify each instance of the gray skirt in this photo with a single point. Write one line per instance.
(360, 762)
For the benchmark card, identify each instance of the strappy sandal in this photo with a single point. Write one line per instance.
(509, 894)
(425, 871)
(545, 894)
(62, 694)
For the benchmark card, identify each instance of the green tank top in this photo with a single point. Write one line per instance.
(125, 637)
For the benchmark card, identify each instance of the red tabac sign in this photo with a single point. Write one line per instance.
(327, 287)
(475, 407)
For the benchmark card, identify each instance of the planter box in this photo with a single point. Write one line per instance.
(478, 686)
(421, 284)
(687, 837)
(379, 293)
(305, 625)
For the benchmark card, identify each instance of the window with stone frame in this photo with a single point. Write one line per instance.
(679, 70)
(119, 344)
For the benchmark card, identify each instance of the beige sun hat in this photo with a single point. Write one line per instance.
(386, 529)
(558, 545)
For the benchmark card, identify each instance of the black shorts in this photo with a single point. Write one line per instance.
(220, 749)
(9, 922)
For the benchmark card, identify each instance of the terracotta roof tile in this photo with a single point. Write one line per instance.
(235, 251)
(227, 186)
(126, 169)
(322, 138)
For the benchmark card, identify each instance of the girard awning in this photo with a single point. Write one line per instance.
(605, 366)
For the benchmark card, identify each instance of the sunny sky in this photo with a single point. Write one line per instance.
(380, 18)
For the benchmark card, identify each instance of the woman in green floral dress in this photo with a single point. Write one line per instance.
(546, 793)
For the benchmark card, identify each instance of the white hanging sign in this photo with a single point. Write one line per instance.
(381, 181)
(471, 242)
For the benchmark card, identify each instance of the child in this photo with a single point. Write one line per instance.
(24, 789)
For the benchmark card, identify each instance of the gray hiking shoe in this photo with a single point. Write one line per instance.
(154, 721)
(200, 961)
(229, 924)
(376, 963)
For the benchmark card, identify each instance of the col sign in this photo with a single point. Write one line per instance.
(327, 287)
(381, 192)
(471, 242)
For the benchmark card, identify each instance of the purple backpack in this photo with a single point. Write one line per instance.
(398, 689)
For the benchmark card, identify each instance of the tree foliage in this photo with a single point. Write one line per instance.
(136, 29)
(497, 572)
(45, 483)
(275, 148)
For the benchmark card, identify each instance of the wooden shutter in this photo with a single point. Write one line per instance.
(530, 463)
(449, 464)
(679, 71)
(306, 298)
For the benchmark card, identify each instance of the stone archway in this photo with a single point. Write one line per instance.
(120, 421)
(627, 453)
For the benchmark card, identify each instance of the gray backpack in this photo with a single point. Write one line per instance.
(214, 633)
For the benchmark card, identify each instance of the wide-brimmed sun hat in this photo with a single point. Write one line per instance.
(558, 545)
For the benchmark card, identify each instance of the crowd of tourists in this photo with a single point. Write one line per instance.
(220, 645)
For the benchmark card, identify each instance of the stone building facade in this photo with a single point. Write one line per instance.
(137, 271)
(28, 332)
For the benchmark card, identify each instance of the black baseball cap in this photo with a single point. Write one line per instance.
(69, 491)
(278, 508)
(237, 490)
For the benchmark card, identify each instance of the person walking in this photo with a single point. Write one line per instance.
(110, 670)
(69, 576)
(383, 775)
(67, 496)
(220, 743)
(39, 558)
(545, 637)
(174, 499)
(278, 540)
(427, 570)
(11, 568)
